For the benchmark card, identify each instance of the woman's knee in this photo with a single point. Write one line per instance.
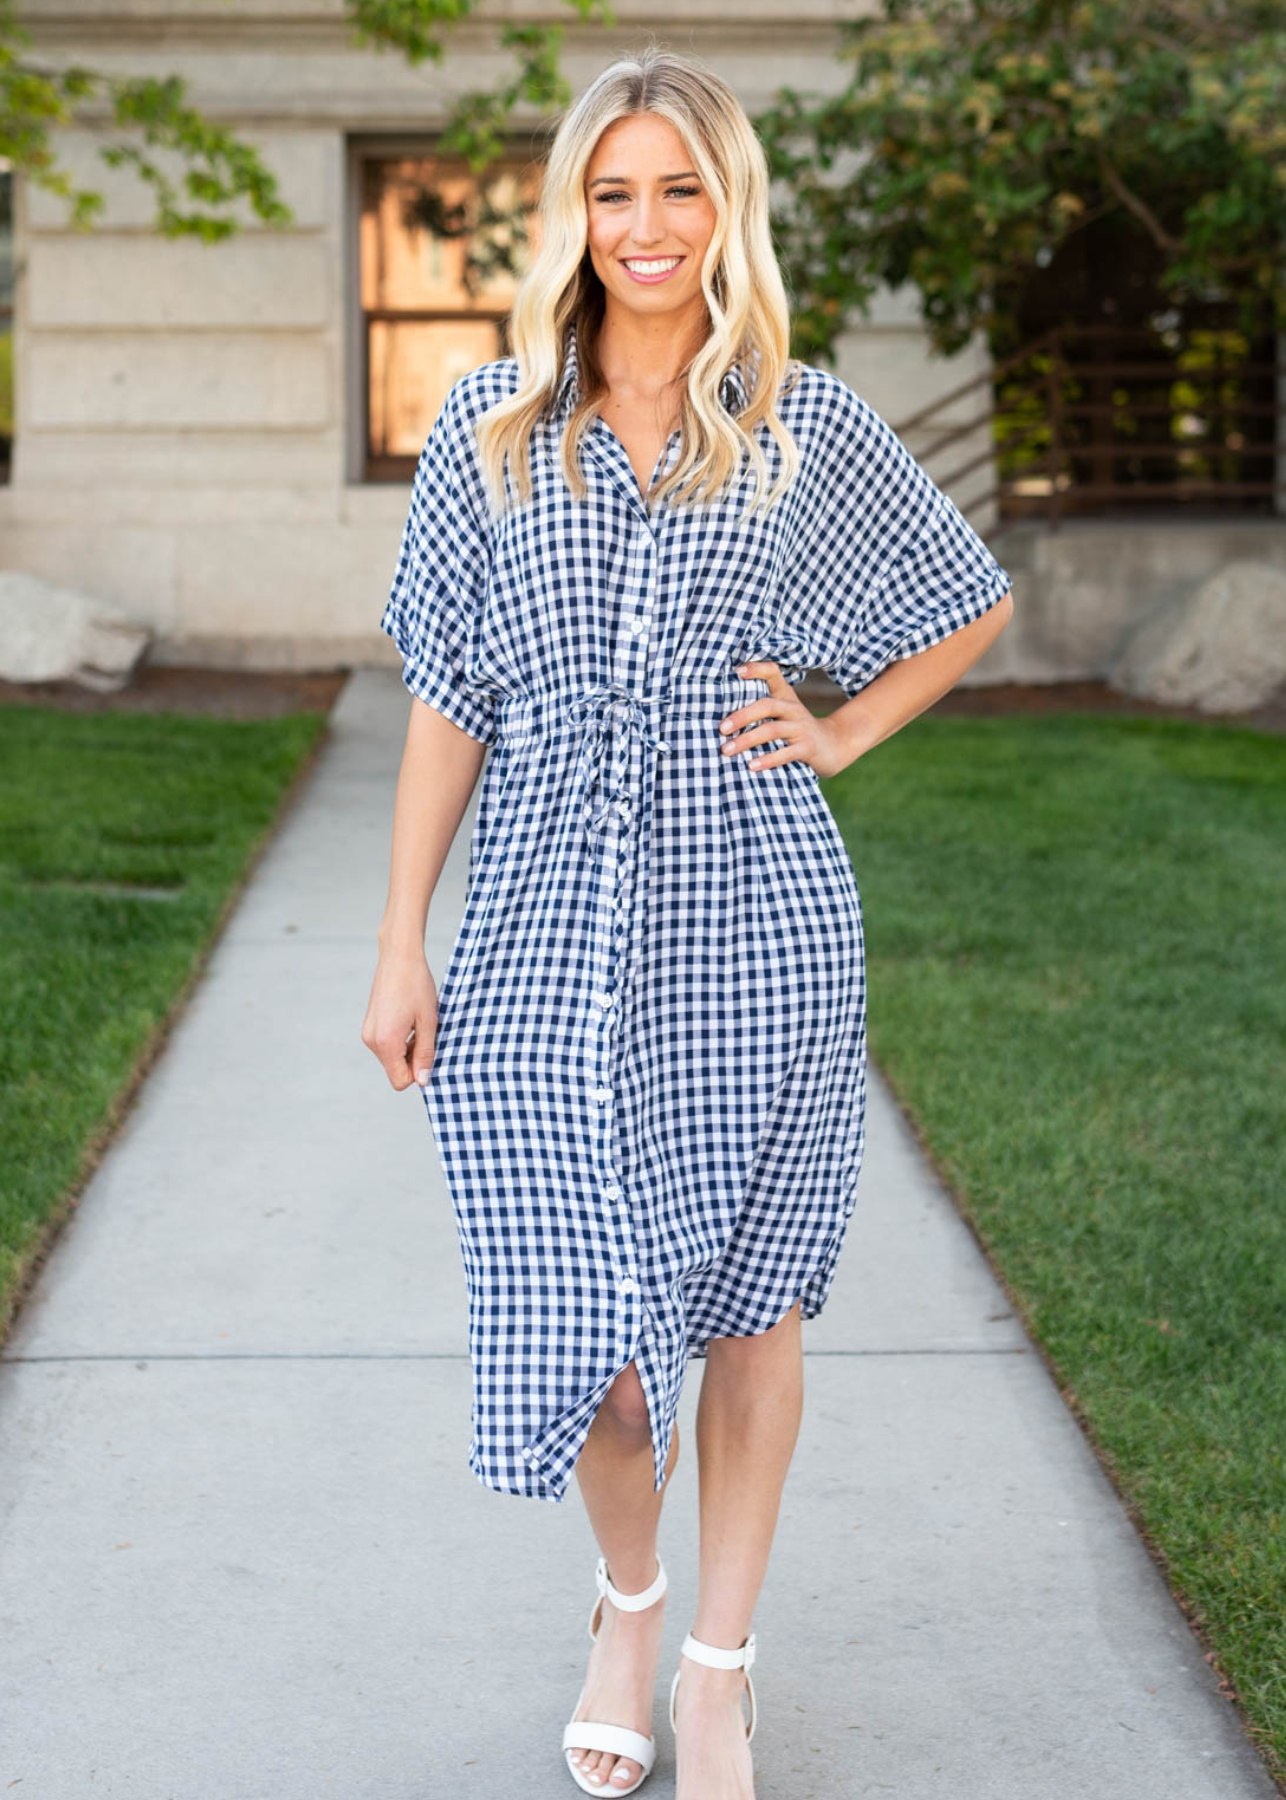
(625, 1407)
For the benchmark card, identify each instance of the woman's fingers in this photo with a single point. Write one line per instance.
(394, 1049)
(787, 719)
(766, 671)
(415, 1059)
(410, 1059)
(401, 1022)
(780, 713)
(420, 1053)
(781, 702)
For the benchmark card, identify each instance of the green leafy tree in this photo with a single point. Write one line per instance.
(974, 138)
(971, 141)
(203, 173)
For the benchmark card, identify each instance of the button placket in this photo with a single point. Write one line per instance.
(638, 607)
(629, 761)
(628, 1304)
(603, 997)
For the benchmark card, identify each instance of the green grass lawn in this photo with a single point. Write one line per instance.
(122, 838)
(1076, 937)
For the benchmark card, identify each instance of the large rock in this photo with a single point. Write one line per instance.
(1221, 649)
(50, 633)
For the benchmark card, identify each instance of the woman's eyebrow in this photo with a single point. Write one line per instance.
(627, 180)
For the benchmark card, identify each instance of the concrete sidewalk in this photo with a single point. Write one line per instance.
(242, 1557)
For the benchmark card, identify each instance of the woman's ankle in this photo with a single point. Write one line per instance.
(634, 1575)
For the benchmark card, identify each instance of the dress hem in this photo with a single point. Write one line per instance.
(811, 1300)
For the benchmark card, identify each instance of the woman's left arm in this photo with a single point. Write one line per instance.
(897, 695)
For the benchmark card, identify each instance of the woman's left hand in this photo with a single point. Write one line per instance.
(780, 713)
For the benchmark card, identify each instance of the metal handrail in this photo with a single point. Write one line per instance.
(1053, 417)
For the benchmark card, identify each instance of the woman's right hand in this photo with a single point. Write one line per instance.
(401, 1022)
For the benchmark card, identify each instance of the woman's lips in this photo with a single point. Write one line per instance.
(651, 280)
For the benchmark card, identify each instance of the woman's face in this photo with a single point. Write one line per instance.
(650, 217)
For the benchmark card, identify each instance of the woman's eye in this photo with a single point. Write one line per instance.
(687, 193)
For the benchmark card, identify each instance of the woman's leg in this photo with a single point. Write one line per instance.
(747, 1424)
(615, 1472)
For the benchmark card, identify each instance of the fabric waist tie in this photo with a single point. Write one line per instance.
(605, 716)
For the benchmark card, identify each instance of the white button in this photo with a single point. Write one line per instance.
(629, 1285)
(602, 1093)
(612, 1192)
(603, 1000)
(637, 624)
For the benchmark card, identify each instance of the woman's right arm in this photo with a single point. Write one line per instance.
(440, 765)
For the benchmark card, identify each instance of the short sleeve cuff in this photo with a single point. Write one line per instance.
(937, 585)
(956, 612)
(434, 683)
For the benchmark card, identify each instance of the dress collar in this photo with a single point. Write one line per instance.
(732, 388)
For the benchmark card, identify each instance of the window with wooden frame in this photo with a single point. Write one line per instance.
(440, 251)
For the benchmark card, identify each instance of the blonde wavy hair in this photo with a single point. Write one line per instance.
(740, 277)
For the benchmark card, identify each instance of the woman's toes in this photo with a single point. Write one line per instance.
(610, 1771)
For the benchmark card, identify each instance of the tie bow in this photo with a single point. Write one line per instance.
(611, 712)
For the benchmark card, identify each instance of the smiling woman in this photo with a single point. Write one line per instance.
(647, 229)
(645, 1071)
(609, 191)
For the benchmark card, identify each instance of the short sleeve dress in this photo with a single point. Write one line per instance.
(648, 1085)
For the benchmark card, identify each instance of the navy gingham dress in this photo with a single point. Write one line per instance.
(648, 1085)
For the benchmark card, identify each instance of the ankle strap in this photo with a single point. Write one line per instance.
(715, 1658)
(630, 1602)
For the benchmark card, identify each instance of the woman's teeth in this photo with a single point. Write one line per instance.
(652, 268)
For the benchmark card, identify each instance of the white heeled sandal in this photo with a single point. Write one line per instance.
(617, 1740)
(717, 1659)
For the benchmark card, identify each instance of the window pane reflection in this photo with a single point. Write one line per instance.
(435, 242)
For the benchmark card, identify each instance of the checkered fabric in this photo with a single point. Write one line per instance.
(648, 1085)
